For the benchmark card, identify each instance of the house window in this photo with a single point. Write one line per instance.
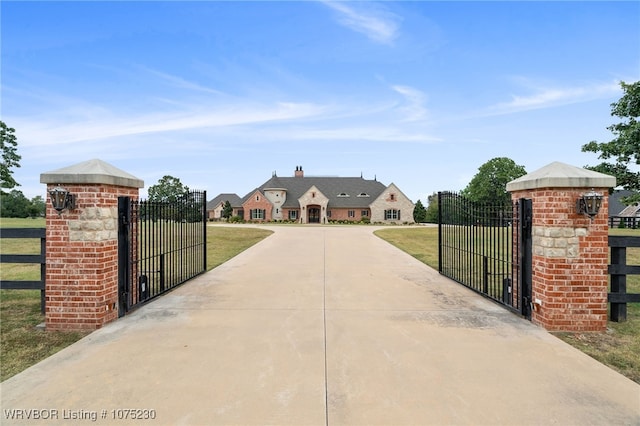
(293, 214)
(392, 214)
(343, 194)
(257, 214)
(363, 194)
(257, 198)
(364, 213)
(328, 213)
(392, 197)
(313, 195)
(352, 213)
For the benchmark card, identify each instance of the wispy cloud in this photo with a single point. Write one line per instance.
(341, 133)
(181, 83)
(65, 130)
(96, 127)
(414, 103)
(376, 23)
(549, 97)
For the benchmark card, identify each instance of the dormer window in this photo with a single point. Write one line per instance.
(343, 194)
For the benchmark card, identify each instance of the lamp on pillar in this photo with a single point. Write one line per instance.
(62, 199)
(589, 204)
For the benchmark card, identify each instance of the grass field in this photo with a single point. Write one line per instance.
(619, 347)
(22, 344)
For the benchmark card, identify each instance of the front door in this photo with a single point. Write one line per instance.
(314, 215)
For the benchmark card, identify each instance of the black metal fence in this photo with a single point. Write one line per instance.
(487, 248)
(36, 233)
(161, 245)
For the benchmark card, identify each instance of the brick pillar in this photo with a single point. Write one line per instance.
(82, 246)
(570, 250)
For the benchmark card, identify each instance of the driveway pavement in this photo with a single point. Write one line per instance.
(321, 326)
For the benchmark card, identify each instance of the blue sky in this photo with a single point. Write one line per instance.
(223, 94)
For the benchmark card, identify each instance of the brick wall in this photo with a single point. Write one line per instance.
(570, 257)
(343, 214)
(257, 201)
(82, 258)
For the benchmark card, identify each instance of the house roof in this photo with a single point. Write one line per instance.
(631, 211)
(615, 206)
(342, 192)
(233, 199)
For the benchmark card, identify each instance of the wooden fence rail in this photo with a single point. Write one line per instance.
(631, 222)
(618, 269)
(26, 258)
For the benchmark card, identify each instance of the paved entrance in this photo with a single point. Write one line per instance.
(323, 325)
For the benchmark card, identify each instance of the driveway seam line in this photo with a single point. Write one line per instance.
(324, 320)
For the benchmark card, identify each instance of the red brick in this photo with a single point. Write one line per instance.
(80, 273)
(573, 291)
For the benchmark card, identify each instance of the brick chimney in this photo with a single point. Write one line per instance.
(299, 172)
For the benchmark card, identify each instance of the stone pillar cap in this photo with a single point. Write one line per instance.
(91, 172)
(560, 175)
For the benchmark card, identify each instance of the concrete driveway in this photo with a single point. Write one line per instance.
(321, 326)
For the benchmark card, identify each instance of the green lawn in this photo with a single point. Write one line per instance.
(22, 344)
(619, 347)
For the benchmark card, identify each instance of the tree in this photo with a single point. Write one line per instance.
(10, 157)
(190, 207)
(624, 149)
(431, 213)
(227, 210)
(162, 199)
(37, 207)
(168, 189)
(14, 204)
(419, 212)
(489, 184)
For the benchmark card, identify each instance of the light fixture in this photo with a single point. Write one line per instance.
(62, 199)
(589, 204)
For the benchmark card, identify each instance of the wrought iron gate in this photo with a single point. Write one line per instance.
(160, 246)
(487, 248)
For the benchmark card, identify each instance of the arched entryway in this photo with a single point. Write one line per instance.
(313, 214)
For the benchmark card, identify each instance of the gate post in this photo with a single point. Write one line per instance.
(82, 245)
(570, 249)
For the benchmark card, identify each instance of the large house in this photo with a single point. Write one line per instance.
(318, 199)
